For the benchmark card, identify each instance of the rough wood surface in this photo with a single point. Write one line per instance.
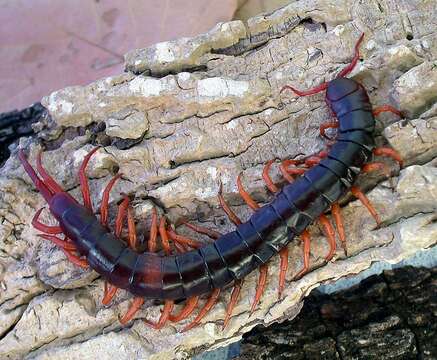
(388, 316)
(193, 112)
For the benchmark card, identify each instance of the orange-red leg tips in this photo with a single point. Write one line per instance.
(186, 311)
(105, 200)
(365, 201)
(312, 91)
(168, 308)
(339, 225)
(328, 229)
(387, 108)
(48, 229)
(327, 125)
(76, 260)
(151, 243)
(232, 302)
(283, 255)
(212, 300)
(266, 177)
(305, 236)
(59, 242)
(384, 151)
(230, 214)
(203, 230)
(245, 195)
(121, 214)
(109, 293)
(132, 234)
(262, 280)
(134, 307)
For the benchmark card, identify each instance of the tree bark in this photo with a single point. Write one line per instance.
(193, 113)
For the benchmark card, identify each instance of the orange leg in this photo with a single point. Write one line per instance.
(324, 85)
(365, 201)
(105, 200)
(313, 91)
(327, 125)
(262, 279)
(339, 224)
(203, 230)
(330, 234)
(164, 236)
(306, 254)
(266, 177)
(180, 247)
(59, 242)
(132, 239)
(288, 172)
(245, 195)
(84, 187)
(315, 159)
(384, 151)
(373, 166)
(187, 310)
(232, 302)
(134, 307)
(231, 215)
(168, 308)
(53, 230)
(109, 293)
(76, 260)
(212, 300)
(284, 172)
(151, 244)
(183, 239)
(387, 108)
(121, 214)
(354, 61)
(283, 254)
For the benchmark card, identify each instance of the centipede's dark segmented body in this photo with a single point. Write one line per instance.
(231, 257)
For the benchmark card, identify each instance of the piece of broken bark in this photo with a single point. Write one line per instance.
(208, 109)
(388, 316)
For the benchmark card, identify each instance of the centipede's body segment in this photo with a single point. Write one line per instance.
(194, 271)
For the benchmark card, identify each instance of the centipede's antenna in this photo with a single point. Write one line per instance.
(354, 60)
(40, 185)
(323, 86)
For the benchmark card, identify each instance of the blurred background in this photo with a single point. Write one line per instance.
(47, 45)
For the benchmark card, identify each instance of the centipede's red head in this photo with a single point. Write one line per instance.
(52, 192)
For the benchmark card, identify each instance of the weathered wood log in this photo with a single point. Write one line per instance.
(388, 316)
(192, 112)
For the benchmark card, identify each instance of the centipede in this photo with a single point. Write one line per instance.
(180, 268)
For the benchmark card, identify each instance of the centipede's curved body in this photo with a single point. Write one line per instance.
(253, 243)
